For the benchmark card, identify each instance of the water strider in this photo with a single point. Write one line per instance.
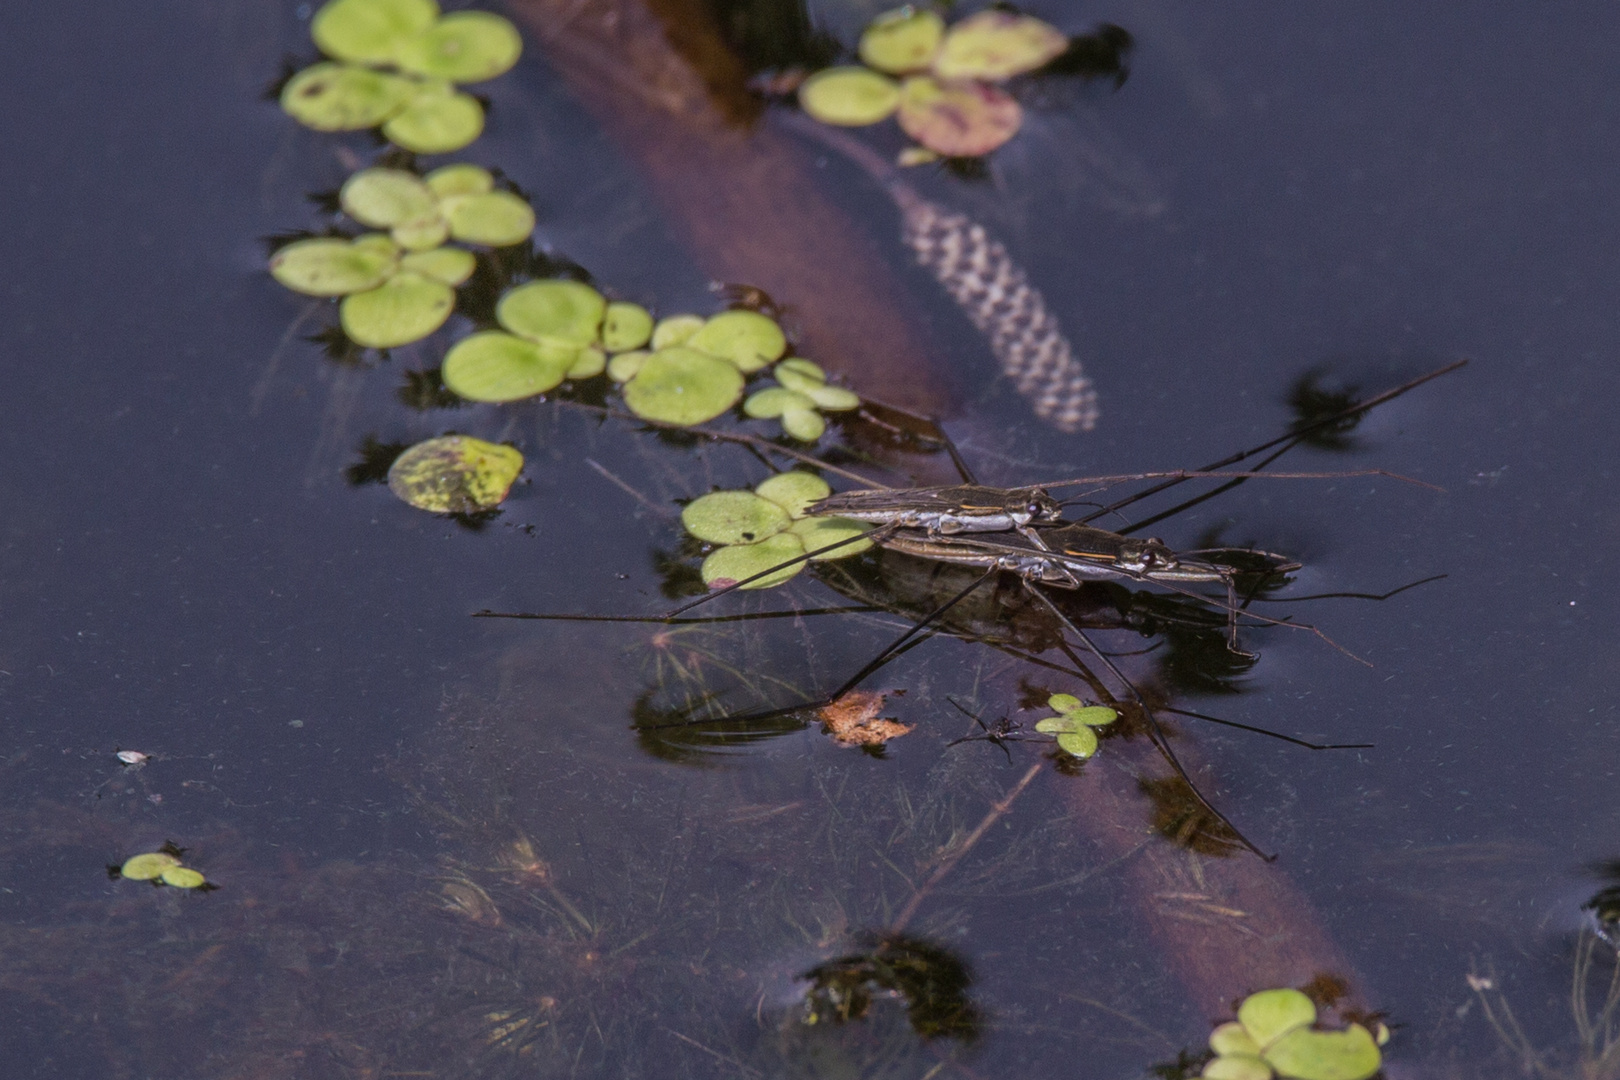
(1020, 531)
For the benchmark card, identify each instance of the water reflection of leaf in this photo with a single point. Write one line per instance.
(425, 390)
(376, 458)
(1313, 399)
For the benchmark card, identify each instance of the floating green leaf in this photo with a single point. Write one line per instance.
(674, 330)
(958, 119)
(849, 96)
(623, 368)
(423, 233)
(817, 533)
(405, 308)
(1074, 723)
(997, 45)
(459, 179)
(447, 264)
(342, 97)
(497, 367)
(330, 266)
(626, 326)
(737, 562)
(568, 311)
(746, 338)
(804, 377)
(734, 517)
(490, 218)
(793, 491)
(683, 386)
(148, 866)
(1236, 1067)
(1232, 1038)
(464, 47)
(806, 425)
(1303, 1054)
(383, 198)
(902, 41)
(773, 401)
(455, 474)
(437, 120)
(182, 877)
(1271, 1013)
(588, 363)
(370, 31)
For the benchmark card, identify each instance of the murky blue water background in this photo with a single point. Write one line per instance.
(1374, 191)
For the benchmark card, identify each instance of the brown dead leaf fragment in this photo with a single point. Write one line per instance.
(854, 721)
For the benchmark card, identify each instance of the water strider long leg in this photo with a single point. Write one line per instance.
(889, 652)
(1155, 732)
(1291, 438)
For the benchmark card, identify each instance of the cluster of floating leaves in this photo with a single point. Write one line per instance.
(399, 286)
(1075, 724)
(162, 867)
(756, 531)
(395, 65)
(1273, 1036)
(940, 83)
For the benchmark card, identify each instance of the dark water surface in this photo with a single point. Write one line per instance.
(1369, 192)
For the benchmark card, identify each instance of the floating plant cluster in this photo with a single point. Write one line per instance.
(398, 281)
(1075, 724)
(941, 83)
(761, 530)
(1274, 1035)
(395, 65)
(162, 867)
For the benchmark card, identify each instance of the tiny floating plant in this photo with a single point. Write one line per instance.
(399, 287)
(1273, 1036)
(395, 64)
(941, 84)
(162, 867)
(455, 474)
(1075, 724)
(764, 528)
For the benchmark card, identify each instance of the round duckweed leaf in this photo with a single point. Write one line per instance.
(182, 877)
(459, 179)
(806, 425)
(773, 401)
(682, 386)
(902, 41)
(740, 561)
(1081, 743)
(436, 122)
(563, 310)
(997, 45)
(149, 866)
(589, 363)
(447, 264)
(341, 97)
(674, 330)
(817, 533)
(1093, 716)
(494, 218)
(1231, 1038)
(329, 266)
(733, 517)
(454, 474)
(746, 338)
(423, 233)
(958, 119)
(833, 398)
(797, 373)
(1270, 1013)
(626, 326)
(793, 491)
(1054, 725)
(1237, 1067)
(623, 368)
(849, 96)
(464, 47)
(1064, 703)
(498, 367)
(1303, 1054)
(370, 31)
(383, 198)
(405, 308)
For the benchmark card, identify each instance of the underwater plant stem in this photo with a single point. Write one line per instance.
(997, 810)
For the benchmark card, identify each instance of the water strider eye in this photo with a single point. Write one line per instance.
(1034, 509)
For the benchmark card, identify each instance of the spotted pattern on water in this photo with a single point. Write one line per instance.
(979, 274)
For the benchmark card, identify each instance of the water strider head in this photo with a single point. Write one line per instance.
(962, 508)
